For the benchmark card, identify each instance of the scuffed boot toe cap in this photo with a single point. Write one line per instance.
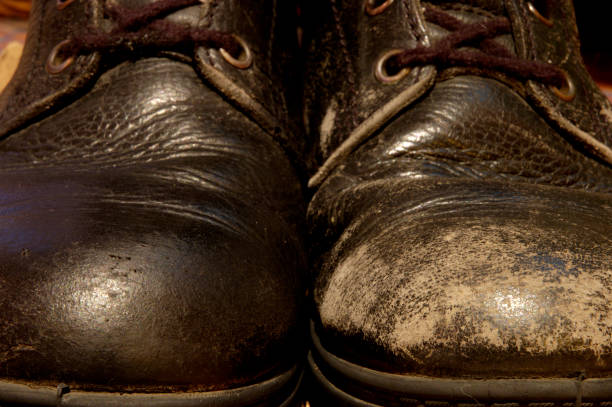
(513, 283)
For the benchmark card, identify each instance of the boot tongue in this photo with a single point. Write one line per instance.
(494, 6)
(470, 12)
(189, 15)
(132, 3)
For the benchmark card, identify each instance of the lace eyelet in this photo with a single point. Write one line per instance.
(568, 92)
(62, 4)
(372, 9)
(538, 15)
(381, 71)
(246, 58)
(54, 67)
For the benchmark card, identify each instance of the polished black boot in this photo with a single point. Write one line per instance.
(462, 217)
(150, 247)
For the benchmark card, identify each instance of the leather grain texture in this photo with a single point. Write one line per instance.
(468, 236)
(151, 234)
(341, 91)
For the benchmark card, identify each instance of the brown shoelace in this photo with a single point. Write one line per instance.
(488, 55)
(144, 28)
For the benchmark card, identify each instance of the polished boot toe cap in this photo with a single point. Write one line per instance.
(128, 280)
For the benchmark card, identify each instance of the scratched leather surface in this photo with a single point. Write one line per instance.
(470, 236)
(150, 239)
(340, 90)
(590, 110)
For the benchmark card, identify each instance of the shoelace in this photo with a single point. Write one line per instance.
(144, 28)
(489, 55)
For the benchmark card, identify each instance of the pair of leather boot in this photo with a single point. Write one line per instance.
(154, 157)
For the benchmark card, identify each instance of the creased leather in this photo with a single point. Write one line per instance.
(338, 101)
(268, 88)
(151, 239)
(469, 237)
(452, 278)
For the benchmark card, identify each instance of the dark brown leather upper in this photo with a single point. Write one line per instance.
(263, 91)
(151, 221)
(464, 228)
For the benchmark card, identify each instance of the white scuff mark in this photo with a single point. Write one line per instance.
(327, 125)
(515, 298)
(607, 113)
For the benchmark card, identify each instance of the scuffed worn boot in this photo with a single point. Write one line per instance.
(462, 216)
(150, 251)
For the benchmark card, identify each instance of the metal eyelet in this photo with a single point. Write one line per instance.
(246, 57)
(568, 91)
(62, 4)
(381, 72)
(372, 9)
(538, 15)
(54, 67)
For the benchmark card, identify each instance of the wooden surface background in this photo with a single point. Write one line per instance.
(12, 36)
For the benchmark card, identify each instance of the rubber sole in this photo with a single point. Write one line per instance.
(280, 391)
(337, 382)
